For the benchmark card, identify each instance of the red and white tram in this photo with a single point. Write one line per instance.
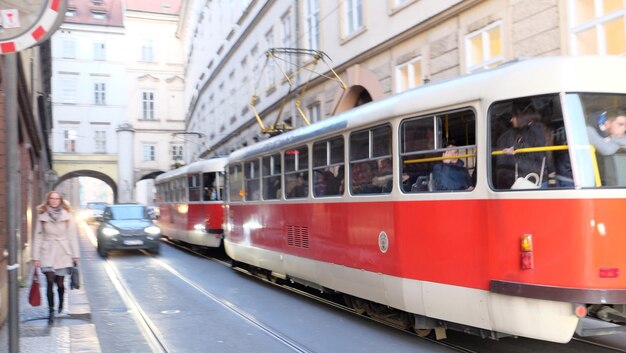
(352, 204)
(190, 202)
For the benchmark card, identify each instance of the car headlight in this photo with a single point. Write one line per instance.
(109, 232)
(154, 230)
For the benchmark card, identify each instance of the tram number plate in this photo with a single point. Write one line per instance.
(133, 242)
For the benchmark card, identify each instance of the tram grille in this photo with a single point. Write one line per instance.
(298, 236)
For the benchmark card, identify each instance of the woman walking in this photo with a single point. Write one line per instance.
(55, 245)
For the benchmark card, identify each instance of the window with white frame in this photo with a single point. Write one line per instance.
(177, 152)
(409, 75)
(70, 13)
(270, 69)
(149, 152)
(99, 51)
(254, 58)
(69, 138)
(314, 112)
(287, 39)
(68, 89)
(147, 105)
(312, 18)
(100, 138)
(484, 48)
(597, 27)
(99, 15)
(353, 16)
(147, 53)
(99, 91)
(69, 49)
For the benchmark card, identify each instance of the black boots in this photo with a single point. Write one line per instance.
(51, 317)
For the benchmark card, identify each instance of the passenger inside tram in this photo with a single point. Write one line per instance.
(451, 173)
(525, 132)
(607, 134)
(606, 131)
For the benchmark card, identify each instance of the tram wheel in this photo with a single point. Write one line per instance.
(422, 332)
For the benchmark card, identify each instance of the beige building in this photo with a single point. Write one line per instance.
(377, 47)
(155, 89)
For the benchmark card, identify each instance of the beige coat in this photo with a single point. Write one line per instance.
(55, 243)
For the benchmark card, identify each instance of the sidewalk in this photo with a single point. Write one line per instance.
(72, 330)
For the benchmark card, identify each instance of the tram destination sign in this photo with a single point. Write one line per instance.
(25, 23)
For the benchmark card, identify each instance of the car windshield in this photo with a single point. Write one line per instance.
(129, 212)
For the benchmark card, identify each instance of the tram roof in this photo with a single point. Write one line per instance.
(518, 78)
(201, 166)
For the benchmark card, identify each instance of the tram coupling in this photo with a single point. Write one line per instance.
(609, 314)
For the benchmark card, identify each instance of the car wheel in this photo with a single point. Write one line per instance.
(101, 251)
(156, 250)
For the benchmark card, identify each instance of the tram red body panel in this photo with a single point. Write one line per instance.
(445, 241)
(186, 216)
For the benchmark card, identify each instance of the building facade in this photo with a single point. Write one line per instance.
(155, 84)
(118, 86)
(34, 157)
(377, 48)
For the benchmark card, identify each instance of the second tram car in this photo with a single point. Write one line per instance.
(190, 203)
(414, 206)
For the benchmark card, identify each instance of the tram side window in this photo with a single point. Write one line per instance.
(371, 171)
(438, 152)
(194, 187)
(252, 181)
(182, 189)
(235, 183)
(272, 170)
(210, 189)
(297, 172)
(529, 148)
(328, 167)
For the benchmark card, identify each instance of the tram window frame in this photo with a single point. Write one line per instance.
(549, 120)
(296, 167)
(252, 180)
(193, 182)
(271, 176)
(418, 160)
(328, 167)
(210, 186)
(235, 183)
(370, 154)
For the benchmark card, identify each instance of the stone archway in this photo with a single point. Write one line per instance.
(363, 87)
(92, 174)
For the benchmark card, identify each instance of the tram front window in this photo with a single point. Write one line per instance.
(600, 123)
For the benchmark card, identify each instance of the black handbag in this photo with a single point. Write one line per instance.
(75, 278)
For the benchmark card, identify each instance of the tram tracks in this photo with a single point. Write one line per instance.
(319, 298)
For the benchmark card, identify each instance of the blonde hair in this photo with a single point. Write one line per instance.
(42, 208)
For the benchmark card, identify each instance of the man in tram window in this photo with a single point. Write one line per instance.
(607, 134)
(525, 132)
(607, 131)
(451, 173)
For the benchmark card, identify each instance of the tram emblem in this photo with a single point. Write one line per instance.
(383, 242)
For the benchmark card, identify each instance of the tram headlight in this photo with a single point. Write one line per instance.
(152, 230)
(110, 232)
